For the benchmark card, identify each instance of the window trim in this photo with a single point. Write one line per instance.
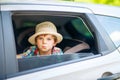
(10, 51)
(2, 55)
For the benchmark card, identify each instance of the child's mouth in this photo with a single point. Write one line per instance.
(44, 47)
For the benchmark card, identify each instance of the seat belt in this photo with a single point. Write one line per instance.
(77, 48)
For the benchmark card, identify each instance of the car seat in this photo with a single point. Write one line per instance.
(22, 39)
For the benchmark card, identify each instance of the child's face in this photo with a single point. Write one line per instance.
(45, 42)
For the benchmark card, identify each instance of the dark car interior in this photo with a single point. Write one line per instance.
(77, 37)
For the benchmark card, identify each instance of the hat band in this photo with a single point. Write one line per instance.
(46, 30)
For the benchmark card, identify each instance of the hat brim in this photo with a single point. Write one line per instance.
(32, 38)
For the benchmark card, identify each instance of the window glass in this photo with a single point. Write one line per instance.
(74, 32)
(112, 26)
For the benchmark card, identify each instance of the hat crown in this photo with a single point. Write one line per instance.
(46, 27)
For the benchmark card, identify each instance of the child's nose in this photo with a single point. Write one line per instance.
(44, 40)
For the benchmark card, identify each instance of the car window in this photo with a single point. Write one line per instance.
(112, 26)
(73, 29)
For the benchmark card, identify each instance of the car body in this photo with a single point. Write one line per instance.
(96, 25)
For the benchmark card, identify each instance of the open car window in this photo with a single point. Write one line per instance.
(74, 30)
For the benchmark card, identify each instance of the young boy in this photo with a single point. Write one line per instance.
(44, 40)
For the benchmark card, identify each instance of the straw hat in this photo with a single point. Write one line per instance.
(45, 28)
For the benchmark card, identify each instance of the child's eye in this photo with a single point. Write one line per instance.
(48, 39)
(40, 38)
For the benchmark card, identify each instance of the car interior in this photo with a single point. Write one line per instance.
(77, 37)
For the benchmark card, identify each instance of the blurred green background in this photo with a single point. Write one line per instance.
(107, 2)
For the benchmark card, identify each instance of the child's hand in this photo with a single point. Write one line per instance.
(56, 50)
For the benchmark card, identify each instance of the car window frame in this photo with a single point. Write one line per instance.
(8, 57)
(54, 65)
(2, 56)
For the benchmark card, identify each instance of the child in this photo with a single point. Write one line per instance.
(44, 40)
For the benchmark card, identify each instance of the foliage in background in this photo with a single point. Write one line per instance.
(107, 2)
